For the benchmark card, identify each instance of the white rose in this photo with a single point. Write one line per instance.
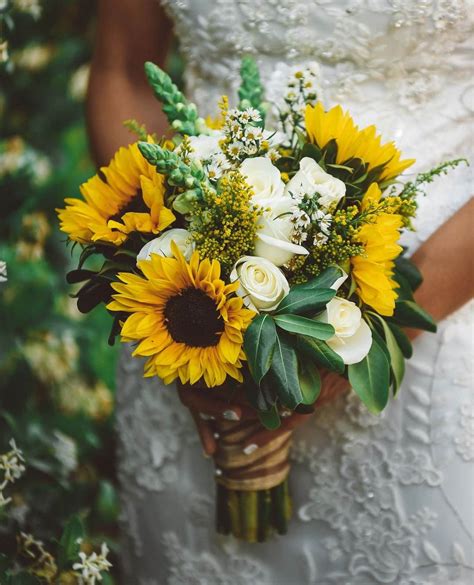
(205, 146)
(353, 338)
(311, 178)
(262, 284)
(264, 178)
(275, 232)
(162, 244)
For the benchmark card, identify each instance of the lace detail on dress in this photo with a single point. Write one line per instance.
(204, 568)
(405, 44)
(152, 426)
(359, 475)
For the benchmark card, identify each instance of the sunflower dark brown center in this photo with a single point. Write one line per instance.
(192, 318)
(136, 204)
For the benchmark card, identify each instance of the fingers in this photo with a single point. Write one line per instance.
(333, 386)
(264, 436)
(206, 434)
(213, 406)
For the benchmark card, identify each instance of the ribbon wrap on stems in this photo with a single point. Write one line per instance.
(252, 494)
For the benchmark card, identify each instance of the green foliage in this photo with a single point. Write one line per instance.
(69, 545)
(284, 372)
(259, 345)
(302, 301)
(409, 314)
(251, 89)
(304, 326)
(370, 378)
(56, 370)
(181, 114)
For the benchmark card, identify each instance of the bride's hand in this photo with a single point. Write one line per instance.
(332, 386)
(207, 405)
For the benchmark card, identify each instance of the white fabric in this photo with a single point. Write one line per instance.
(384, 499)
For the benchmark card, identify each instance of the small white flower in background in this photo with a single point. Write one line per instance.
(32, 7)
(4, 52)
(162, 244)
(11, 464)
(92, 566)
(79, 82)
(65, 451)
(311, 179)
(353, 338)
(3, 271)
(262, 285)
(3, 4)
(33, 57)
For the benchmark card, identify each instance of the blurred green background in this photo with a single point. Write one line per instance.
(56, 369)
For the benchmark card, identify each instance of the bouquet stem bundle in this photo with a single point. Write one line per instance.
(253, 500)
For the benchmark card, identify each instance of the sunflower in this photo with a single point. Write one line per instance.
(373, 270)
(186, 319)
(323, 127)
(130, 199)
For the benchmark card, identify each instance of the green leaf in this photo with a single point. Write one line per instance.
(320, 352)
(324, 280)
(303, 300)
(310, 382)
(409, 314)
(259, 344)
(311, 151)
(409, 271)
(397, 361)
(370, 379)
(402, 340)
(270, 419)
(284, 370)
(304, 326)
(24, 578)
(404, 289)
(68, 545)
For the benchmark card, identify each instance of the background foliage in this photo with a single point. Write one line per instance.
(56, 369)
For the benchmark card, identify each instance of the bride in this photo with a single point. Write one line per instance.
(384, 499)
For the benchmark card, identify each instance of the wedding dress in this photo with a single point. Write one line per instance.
(377, 499)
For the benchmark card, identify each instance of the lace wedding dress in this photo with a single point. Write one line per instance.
(385, 499)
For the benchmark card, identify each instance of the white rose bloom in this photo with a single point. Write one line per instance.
(162, 244)
(264, 178)
(275, 232)
(262, 284)
(205, 146)
(311, 178)
(353, 338)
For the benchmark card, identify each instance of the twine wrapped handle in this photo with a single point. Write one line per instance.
(262, 469)
(252, 492)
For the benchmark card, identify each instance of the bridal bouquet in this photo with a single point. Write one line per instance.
(247, 254)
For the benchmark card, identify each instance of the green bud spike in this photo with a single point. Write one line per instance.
(181, 114)
(251, 89)
(178, 173)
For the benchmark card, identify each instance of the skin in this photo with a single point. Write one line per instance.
(131, 32)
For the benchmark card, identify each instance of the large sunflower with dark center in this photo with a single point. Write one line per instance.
(186, 320)
(126, 197)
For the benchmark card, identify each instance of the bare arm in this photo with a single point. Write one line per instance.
(129, 32)
(446, 262)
